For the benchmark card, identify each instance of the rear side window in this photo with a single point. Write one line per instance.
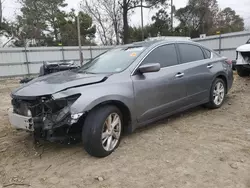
(190, 53)
(207, 53)
(165, 55)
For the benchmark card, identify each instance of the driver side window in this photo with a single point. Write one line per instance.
(164, 55)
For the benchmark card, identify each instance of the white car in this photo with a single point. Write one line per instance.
(243, 60)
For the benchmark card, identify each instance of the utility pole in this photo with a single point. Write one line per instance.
(1, 12)
(79, 40)
(172, 17)
(142, 27)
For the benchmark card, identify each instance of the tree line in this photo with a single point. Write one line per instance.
(46, 23)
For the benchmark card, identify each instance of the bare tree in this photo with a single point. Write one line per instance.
(92, 8)
(1, 12)
(107, 16)
(114, 13)
(128, 6)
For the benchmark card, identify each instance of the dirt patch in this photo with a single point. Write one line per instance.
(199, 148)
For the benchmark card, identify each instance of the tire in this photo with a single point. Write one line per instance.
(234, 65)
(212, 104)
(94, 127)
(241, 71)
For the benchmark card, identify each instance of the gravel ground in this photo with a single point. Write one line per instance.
(199, 148)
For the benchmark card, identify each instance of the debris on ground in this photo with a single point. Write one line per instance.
(222, 159)
(3, 150)
(99, 178)
(233, 165)
(48, 167)
(242, 161)
(16, 184)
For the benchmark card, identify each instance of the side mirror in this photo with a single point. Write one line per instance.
(150, 67)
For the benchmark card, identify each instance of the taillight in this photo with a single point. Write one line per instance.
(230, 62)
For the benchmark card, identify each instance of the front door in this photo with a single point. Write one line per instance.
(162, 92)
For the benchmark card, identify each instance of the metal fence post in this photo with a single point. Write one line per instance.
(27, 60)
(220, 44)
(91, 55)
(63, 56)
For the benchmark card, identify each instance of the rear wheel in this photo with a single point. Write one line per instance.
(217, 94)
(241, 71)
(102, 131)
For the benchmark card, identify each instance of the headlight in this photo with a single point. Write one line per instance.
(58, 104)
(60, 108)
(75, 118)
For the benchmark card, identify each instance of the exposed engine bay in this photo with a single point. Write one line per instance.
(246, 56)
(51, 106)
(51, 119)
(49, 68)
(242, 63)
(243, 54)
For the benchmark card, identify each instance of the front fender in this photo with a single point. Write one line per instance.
(84, 104)
(93, 95)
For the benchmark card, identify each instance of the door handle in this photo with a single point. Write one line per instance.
(179, 75)
(210, 66)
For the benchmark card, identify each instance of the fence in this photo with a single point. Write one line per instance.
(27, 61)
(225, 44)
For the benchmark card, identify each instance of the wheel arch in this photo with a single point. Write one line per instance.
(126, 113)
(223, 77)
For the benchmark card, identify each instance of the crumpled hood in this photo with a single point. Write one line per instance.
(53, 83)
(244, 48)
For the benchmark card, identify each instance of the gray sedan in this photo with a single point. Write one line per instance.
(125, 88)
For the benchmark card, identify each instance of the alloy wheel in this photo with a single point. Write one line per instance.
(111, 132)
(219, 93)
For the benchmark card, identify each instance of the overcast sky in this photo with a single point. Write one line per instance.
(242, 7)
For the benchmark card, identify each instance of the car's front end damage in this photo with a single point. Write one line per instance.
(243, 56)
(242, 63)
(48, 118)
(45, 105)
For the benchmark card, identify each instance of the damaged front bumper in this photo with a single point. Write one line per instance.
(47, 118)
(20, 122)
(46, 130)
(243, 58)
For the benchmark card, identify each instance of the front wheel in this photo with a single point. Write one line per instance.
(102, 131)
(217, 94)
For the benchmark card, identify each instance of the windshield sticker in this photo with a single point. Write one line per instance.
(133, 54)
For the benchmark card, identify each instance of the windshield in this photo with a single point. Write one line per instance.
(248, 42)
(113, 61)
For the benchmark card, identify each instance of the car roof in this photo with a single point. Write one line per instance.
(156, 42)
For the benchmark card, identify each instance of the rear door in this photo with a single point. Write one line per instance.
(160, 92)
(197, 71)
